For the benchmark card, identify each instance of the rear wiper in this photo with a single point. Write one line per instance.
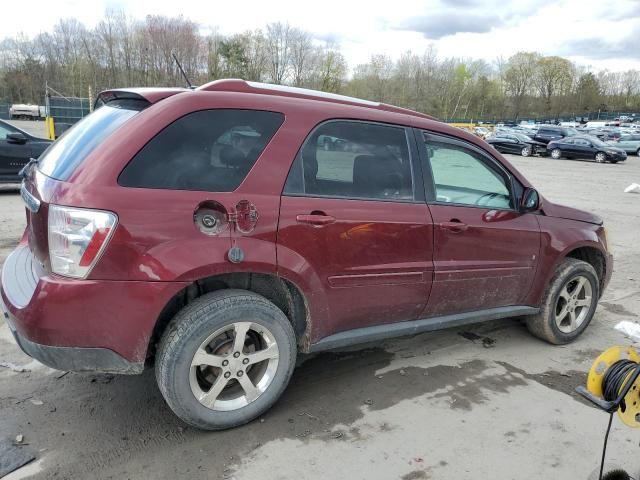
(25, 170)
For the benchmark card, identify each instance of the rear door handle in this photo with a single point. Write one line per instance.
(454, 226)
(315, 220)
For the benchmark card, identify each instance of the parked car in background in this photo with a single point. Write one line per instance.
(608, 133)
(482, 132)
(628, 143)
(16, 148)
(516, 143)
(200, 230)
(549, 133)
(586, 147)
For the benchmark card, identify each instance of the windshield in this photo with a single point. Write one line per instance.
(597, 142)
(571, 132)
(63, 156)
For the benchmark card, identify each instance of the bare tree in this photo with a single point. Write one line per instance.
(301, 56)
(279, 51)
(519, 76)
(553, 75)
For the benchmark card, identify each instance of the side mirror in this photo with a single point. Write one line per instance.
(16, 137)
(530, 200)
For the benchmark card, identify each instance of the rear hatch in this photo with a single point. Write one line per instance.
(54, 173)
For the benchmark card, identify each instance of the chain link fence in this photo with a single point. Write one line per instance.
(66, 111)
(4, 111)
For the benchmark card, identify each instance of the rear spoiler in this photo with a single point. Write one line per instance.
(150, 95)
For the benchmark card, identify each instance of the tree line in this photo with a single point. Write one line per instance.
(121, 51)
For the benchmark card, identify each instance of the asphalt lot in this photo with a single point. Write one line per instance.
(439, 405)
(33, 127)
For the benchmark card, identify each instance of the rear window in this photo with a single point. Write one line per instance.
(209, 150)
(63, 156)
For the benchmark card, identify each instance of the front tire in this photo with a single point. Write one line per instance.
(225, 359)
(556, 153)
(569, 302)
(601, 157)
(525, 152)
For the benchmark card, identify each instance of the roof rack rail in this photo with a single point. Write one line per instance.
(243, 86)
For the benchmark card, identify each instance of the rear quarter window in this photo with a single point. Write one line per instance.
(62, 158)
(208, 150)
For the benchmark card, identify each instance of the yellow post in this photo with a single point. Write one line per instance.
(51, 133)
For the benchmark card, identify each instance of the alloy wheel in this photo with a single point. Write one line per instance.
(573, 304)
(526, 151)
(556, 153)
(234, 366)
(600, 157)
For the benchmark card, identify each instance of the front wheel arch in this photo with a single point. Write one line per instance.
(567, 306)
(593, 257)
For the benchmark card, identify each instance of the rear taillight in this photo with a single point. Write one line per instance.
(77, 237)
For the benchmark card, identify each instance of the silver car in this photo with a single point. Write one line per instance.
(629, 143)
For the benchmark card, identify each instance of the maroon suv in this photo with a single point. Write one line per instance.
(224, 230)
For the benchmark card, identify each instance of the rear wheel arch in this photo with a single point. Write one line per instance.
(283, 293)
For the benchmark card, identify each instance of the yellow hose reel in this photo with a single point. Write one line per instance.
(629, 408)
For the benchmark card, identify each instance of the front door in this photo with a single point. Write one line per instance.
(352, 216)
(13, 156)
(511, 144)
(485, 251)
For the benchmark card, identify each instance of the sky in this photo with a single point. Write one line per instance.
(599, 34)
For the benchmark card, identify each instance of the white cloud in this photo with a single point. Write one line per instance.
(363, 28)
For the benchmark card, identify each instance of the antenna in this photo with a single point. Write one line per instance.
(182, 71)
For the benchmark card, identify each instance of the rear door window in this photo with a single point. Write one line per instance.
(357, 160)
(209, 150)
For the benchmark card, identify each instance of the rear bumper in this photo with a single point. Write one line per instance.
(76, 359)
(80, 325)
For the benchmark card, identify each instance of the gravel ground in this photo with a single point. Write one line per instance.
(437, 405)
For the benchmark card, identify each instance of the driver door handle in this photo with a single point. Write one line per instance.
(454, 226)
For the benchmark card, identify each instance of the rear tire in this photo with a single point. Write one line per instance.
(568, 304)
(638, 152)
(211, 377)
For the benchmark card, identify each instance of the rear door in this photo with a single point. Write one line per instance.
(582, 148)
(567, 147)
(353, 214)
(485, 251)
